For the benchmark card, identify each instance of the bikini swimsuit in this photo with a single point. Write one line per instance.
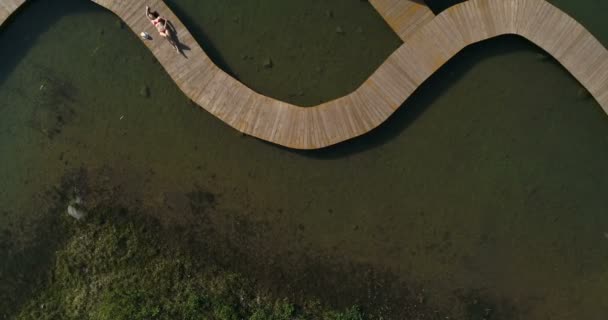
(162, 30)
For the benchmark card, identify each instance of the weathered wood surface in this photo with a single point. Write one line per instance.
(7, 7)
(404, 16)
(424, 50)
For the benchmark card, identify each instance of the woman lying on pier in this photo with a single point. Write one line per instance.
(164, 27)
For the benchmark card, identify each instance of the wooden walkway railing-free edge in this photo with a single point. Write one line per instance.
(8, 7)
(429, 42)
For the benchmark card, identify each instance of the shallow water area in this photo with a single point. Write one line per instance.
(302, 52)
(484, 191)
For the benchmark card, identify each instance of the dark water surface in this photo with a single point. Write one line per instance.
(319, 50)
(488, 185)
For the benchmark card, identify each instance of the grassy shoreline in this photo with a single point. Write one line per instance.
(118, 266)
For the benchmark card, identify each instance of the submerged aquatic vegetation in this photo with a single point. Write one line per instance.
(55, 101)
(120, 265)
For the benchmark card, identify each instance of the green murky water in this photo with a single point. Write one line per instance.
(318, 50)
(487, 185)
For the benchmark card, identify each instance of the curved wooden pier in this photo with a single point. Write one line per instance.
(428, 44)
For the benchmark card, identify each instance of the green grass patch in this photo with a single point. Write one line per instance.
(125, 266)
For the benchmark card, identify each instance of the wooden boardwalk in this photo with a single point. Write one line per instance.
(404, 16)
(428, 44)
(7, 7)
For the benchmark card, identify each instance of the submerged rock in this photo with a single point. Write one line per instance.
(144, 91)
(583, 93)
(76, 210)
(542, 56)
(268, 63)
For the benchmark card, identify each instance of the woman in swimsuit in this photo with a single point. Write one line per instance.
(163, 26)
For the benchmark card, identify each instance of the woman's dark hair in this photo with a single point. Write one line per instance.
(154, 14)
